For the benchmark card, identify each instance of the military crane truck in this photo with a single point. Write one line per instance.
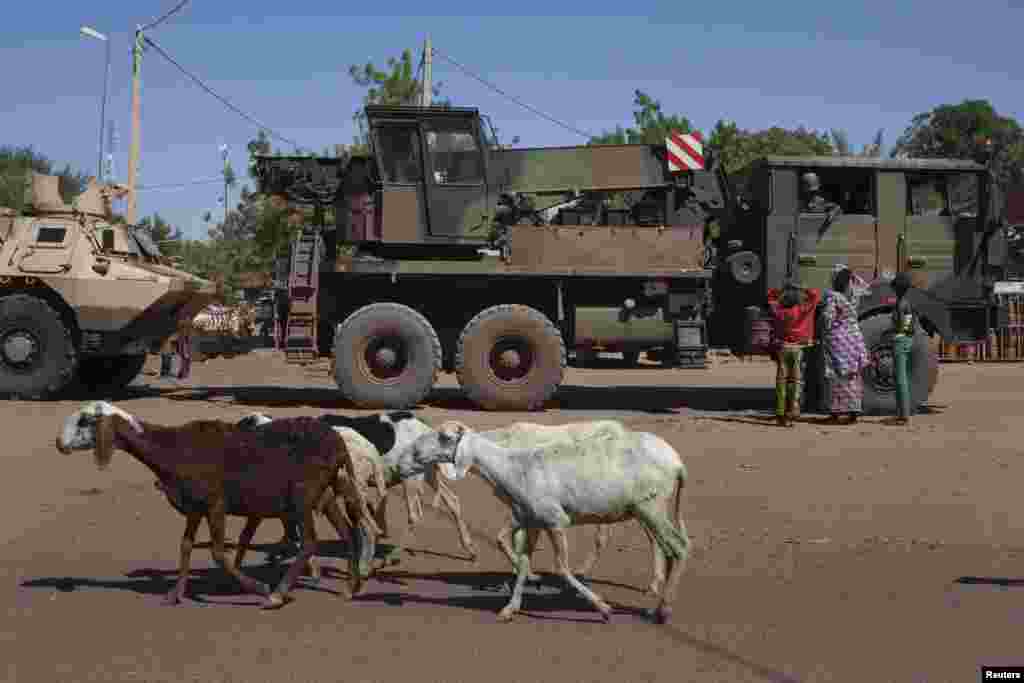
(451, 253)
(82, 298)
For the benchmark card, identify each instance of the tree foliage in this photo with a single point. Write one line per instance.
(398, 85)
(650, 125)
(15, 165)
(842, 147)
(960, 131)
(737, 147)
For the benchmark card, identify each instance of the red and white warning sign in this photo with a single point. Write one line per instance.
(685, 151)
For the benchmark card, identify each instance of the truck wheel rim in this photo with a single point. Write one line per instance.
(511, 359)
(20, 349)
(882, 370)
(384, 359)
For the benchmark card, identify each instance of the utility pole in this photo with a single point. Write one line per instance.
(133, 157)
(428, 51)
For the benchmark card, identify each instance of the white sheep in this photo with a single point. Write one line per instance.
(604, 479)
(526, 434)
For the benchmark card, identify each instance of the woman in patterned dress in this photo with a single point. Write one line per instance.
(845, 349)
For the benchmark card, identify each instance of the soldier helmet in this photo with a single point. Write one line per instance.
(811, 181)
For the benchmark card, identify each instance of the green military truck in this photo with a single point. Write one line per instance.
(493, 263)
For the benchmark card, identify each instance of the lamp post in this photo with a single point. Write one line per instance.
(92, 33)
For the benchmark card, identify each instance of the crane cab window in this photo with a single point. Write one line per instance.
(399, 150)
(852, 189)
(455, 156)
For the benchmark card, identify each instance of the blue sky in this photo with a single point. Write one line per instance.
(859, 67)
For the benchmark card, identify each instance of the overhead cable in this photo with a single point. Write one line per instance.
(201, 181)
(224, 101)
(498, 90)
(157, 22)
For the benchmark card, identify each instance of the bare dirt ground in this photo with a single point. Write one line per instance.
(868, 553)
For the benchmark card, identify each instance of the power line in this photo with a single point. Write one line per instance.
(157, 22)
(514, 99)
(201, 181)
(226, 103)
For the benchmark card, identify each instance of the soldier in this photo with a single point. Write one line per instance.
(816, 203)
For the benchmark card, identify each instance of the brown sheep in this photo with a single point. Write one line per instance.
(216, 469)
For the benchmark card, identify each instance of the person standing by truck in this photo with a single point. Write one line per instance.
(846, 354)
(793, 310)
(904, 321)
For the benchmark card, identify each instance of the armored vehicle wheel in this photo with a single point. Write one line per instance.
(101, 375)
(880, 376)
(37, 355)
(386, 355)
(510, 357)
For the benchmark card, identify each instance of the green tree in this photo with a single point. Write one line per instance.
(841, 144)
(650, 125)
(960, 131)
(397, 85)
(15, 165)
(737, 148)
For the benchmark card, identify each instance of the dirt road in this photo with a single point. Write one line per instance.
(867, 553)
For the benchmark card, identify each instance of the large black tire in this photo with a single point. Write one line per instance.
(37, 354)
(510, 357)
(386, 355)
(880, 376)
(107, 375)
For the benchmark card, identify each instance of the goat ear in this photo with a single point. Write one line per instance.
(104, 441)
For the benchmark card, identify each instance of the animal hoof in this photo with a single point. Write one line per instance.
(663, 615)
(273, 601)
(172, 599)
(606, 614)
(505, 616)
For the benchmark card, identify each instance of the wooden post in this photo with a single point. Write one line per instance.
(133, 158)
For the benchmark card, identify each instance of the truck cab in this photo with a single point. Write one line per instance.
(926, 217)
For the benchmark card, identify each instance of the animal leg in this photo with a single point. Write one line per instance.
(659, 566)
(215, 520)
(503, 541)
(339, 519)
(561, 546)
(382, 516)
(518, 549)
(604, 531)
(188, 539)
(277, 598)
(451, 501)
(674, 544)
(245, 538)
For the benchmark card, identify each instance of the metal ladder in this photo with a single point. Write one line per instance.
(300, 344)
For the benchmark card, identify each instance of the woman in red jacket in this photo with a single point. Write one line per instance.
(793, 311)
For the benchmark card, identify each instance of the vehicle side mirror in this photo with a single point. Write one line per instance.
(108, 240)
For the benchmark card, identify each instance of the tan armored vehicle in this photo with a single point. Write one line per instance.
(82, 299)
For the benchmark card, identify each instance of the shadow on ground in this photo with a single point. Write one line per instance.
(1002, 582)
(645, 399)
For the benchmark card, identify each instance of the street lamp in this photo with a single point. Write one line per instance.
(92, 33)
